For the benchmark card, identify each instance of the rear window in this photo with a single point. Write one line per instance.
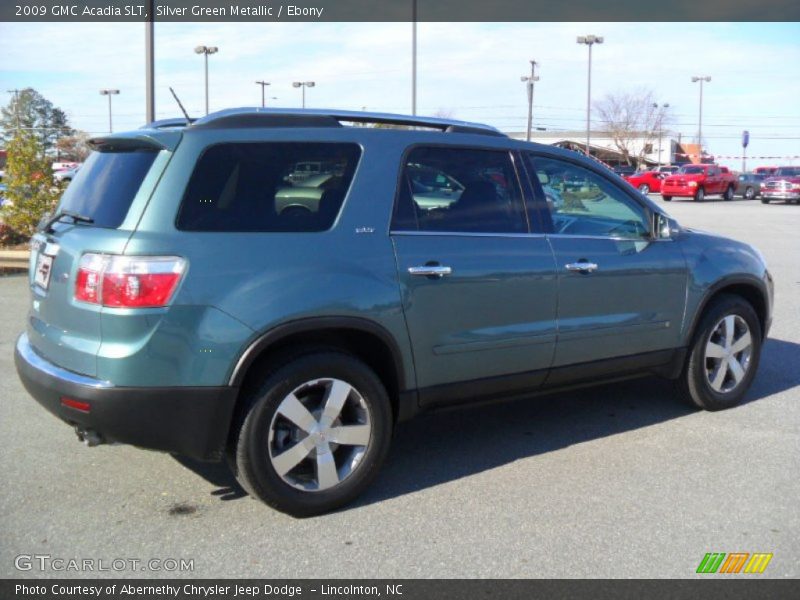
(263, 187)
(788, 172)
(106, 184)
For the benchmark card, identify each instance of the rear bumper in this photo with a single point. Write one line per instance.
(192, 421)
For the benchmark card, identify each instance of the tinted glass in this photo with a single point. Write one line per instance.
(272, 186)
(459, 190)
(788, 172)
(692, 170)
(106, 184)
(582, 202)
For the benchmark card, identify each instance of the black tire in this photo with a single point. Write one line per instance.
(666, 198)
(693, 384)
(728, 195)
(251, 449)
(764, 200)
(749, 193)
(644, 188)
(700, 194)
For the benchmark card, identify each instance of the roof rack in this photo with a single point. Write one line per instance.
(168, 123)
(292, 117)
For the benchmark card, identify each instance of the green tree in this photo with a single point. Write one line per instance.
(31, 111)
(29, 177)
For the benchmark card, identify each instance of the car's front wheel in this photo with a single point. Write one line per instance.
(666, 198)
(724, 356)
(644, 188)
(764, 200)
(314, 434)
(699, 195)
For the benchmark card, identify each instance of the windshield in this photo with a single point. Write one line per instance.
(106, 184)
(788, 172)
(693, 170)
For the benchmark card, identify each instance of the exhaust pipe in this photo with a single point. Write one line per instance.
(89, 436)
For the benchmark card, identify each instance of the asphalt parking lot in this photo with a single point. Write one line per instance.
(617, 481)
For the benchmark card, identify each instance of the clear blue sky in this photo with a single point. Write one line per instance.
(470, 70)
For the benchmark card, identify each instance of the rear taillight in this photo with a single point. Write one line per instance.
(128, 281)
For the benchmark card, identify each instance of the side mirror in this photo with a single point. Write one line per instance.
(663, 227)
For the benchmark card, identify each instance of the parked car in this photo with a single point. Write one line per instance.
(646, 181)
(66, 175)
(784, 185)
(748, 185)
(3, 188)
(765, 171)
(699, 181)
(623, 170)
(174, 308)
(666, 169)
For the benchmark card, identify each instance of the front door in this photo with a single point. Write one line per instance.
(621, 293)
(479, 289)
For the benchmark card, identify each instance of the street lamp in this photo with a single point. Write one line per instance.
(659, 122)
(205, 51)
(303, 85)
(529, 80)
(701, 79)
(109, 93)
(263, 85)
(589, 40)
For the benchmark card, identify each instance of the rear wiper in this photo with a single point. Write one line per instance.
(76, 218)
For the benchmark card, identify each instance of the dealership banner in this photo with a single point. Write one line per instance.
(723, 587)
(396, 10)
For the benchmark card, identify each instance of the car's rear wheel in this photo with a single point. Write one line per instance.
(644, 188)
(699, 195)
(728, 195)
(314, 434)
(749, 193)
(724, 355)
(666, 198)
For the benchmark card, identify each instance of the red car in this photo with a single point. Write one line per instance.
(784, 185)
(699, 181)
(646, 181)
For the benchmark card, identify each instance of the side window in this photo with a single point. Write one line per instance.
(581, 202)
(275, 186)
(459, 190)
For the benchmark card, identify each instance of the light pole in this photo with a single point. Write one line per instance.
(414, 57)
(303, 85)
(589, 40)
(701, 79)
(530, 81)
(263, 85)
(109, 93)
(205, 51)
(659, 123)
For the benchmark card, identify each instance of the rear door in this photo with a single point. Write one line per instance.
(621, 294)
(478, 288)
(65, 331)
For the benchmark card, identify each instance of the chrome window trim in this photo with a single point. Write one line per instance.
(528, 235)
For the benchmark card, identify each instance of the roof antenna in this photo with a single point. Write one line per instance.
(183, 110)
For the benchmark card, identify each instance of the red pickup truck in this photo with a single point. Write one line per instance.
(784, 185)
(699, 181)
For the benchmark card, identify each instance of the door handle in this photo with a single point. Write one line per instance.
(437, 271)
(582, 266)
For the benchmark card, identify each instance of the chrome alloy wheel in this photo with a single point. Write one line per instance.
(319, 434)
(728, 352)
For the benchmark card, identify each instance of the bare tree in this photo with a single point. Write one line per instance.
(634, 120)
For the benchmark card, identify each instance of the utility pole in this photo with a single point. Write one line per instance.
(701, 79)
(109, 93)
(263, 85)
(530, 80)
(149, 64)
(205, 51)
(414, 57)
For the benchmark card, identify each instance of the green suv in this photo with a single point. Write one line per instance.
(192, 294)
